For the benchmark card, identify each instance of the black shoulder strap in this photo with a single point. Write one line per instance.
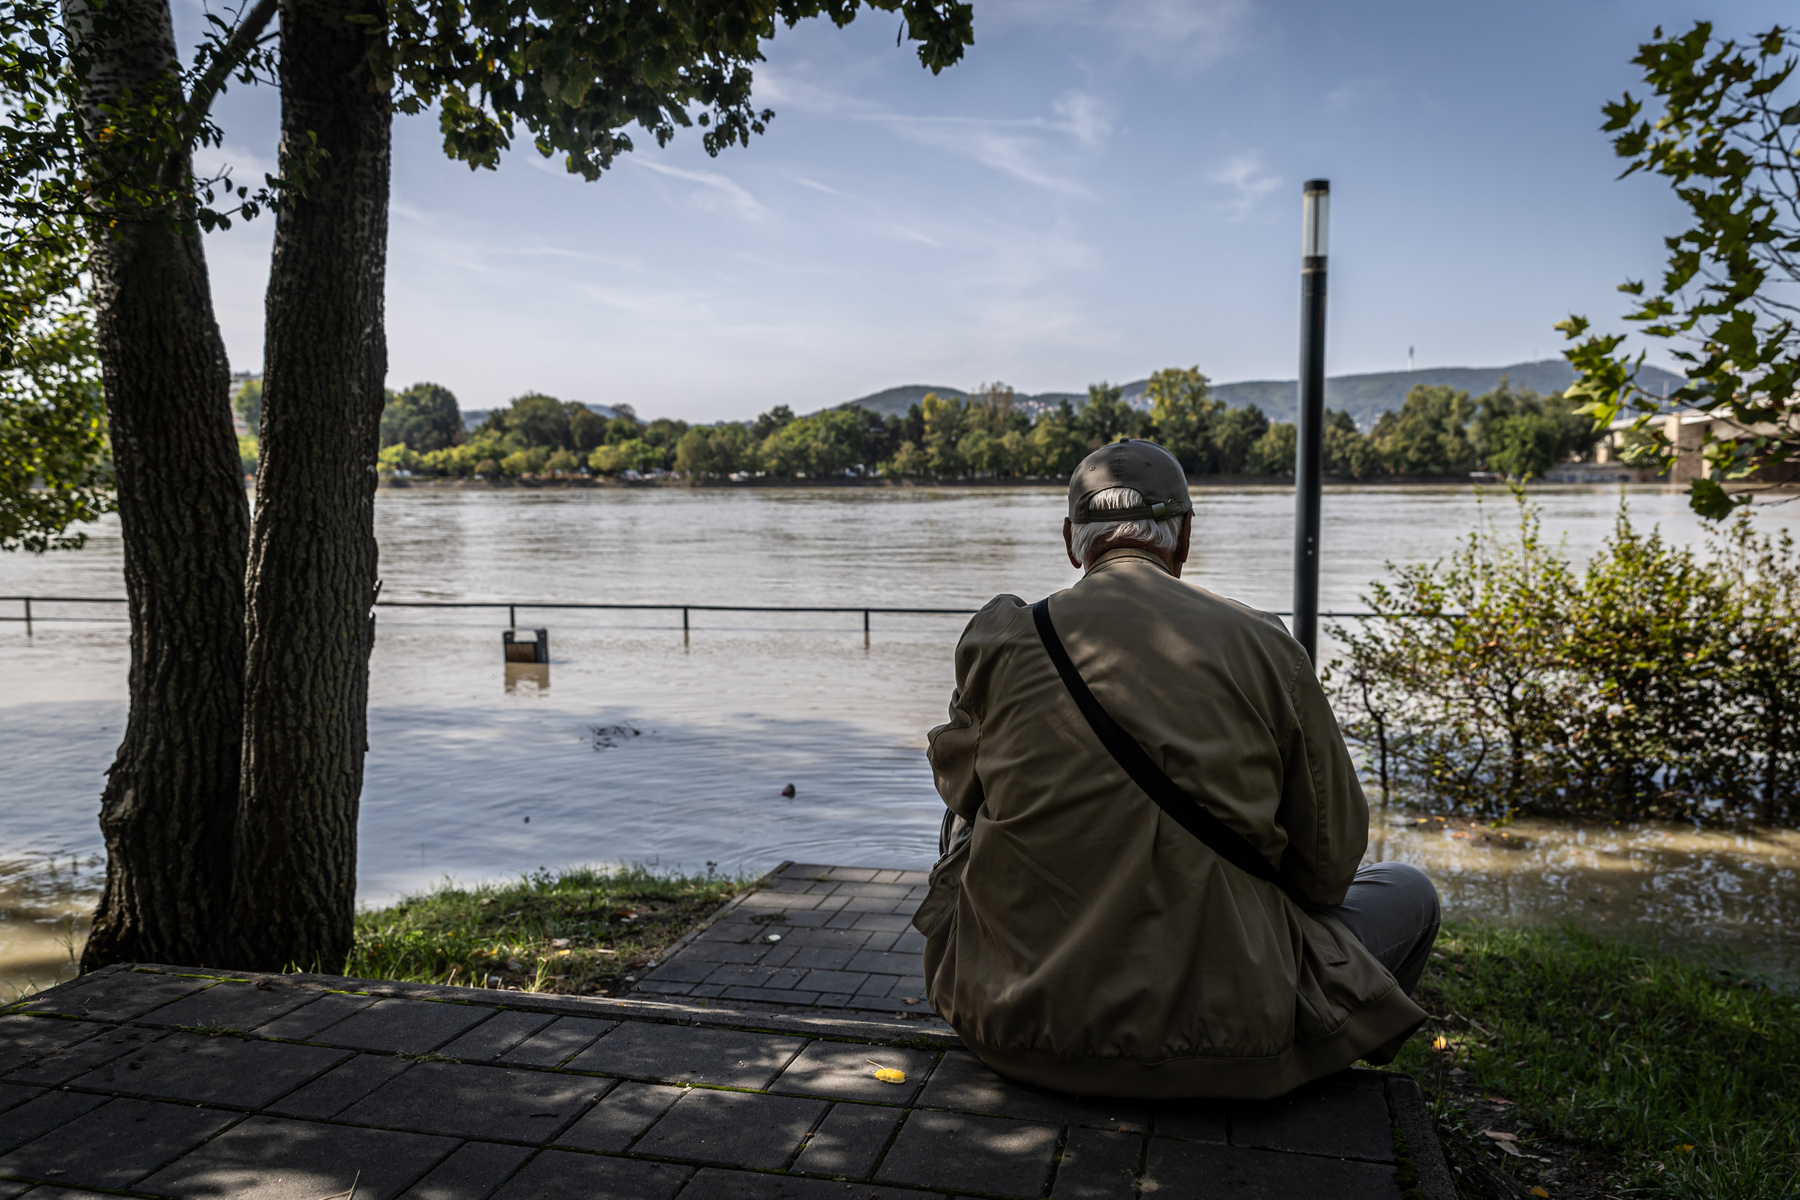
(1189, 813)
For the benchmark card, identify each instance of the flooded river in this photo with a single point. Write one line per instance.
(639, 744)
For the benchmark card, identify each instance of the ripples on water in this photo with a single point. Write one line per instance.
(474, 774)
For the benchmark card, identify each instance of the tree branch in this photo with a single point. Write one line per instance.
(237, 46)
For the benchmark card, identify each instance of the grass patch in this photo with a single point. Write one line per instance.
(579, 932)
(1618, 1069)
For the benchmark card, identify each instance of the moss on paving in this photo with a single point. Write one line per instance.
(578, 932)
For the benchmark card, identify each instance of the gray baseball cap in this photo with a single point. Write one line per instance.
(1133, 463)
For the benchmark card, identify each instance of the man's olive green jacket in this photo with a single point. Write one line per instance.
(1082, 939)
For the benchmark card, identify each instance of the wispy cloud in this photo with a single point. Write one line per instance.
(718, 192)
(1034, 149)
(1182, 34)
(1353, 92)
(1248, 182)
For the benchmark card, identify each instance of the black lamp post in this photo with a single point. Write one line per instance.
(1309, 455)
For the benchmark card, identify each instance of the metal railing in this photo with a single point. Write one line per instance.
(512, 608)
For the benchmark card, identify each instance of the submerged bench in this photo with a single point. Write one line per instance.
(158, 1081)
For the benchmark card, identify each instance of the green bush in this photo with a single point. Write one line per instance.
(1656, 682)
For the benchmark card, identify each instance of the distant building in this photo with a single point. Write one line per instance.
(1687, 431)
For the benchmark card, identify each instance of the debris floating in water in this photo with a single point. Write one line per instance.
(788, 791)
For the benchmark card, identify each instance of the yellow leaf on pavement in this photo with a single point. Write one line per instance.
(887, 1074)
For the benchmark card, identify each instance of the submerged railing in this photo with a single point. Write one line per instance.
(512, 608)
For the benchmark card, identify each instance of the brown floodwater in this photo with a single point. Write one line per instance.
(637, 744)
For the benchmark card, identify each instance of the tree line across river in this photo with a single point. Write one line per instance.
(1437, 431)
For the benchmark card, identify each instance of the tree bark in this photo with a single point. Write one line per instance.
(313, 557)
(171, 795)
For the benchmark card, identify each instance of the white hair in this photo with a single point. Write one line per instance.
(1157, 535)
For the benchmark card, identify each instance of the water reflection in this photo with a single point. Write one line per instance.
(529, 677)
(1737, 892)
(45, 906)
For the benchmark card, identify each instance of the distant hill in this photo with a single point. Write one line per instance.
(896, 400)
(1364, 397)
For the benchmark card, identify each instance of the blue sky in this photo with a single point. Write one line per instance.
(1101, 188)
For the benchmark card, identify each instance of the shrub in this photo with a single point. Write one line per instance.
(1502, 681)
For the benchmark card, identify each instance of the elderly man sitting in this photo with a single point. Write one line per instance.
(1150, 884)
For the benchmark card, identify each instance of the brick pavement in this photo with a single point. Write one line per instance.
(165, 1082)
(815, 936)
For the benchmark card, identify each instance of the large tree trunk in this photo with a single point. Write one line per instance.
(313, 557)
(171, 796)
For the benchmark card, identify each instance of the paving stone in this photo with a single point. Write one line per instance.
(877, 985)
(477, 1102)
(118, 997)
(705, 991)
(1196, 1171)
(232, 1005)
(963, 1081)
(60, 1066)
(496, 1035)
(1097, 1165)
(1345, 1122)
(877, 913)
(41, 1114)
(14, 1094)
(712, 1183)
(758, 903)
(683, 1054)
(622, 1114)
(231, 1071)
(832, 1000)
(404, 1026)
(822, 958)
(746, 975)
(564, 1039)
(828, 939)
(846, 921)
(25, 1039)
(693, 966)
(886, 962)
(472, 1173)
(913, 986)
(805, 919)
(53, 1193)
(910, 942)
(842, 1071)
(1194, 1120)
(9, 1190)
(116, 1144)
(312, 1019)
(661, 988)
(972, 1154)
(771, 995)
(725, 952)
(832, 981)
(852, 874)
(740, 1129)
(559, 1175)
(272, 1158)
(886, 891)
(849, 1140)
(779, 956)
(338, 1089)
